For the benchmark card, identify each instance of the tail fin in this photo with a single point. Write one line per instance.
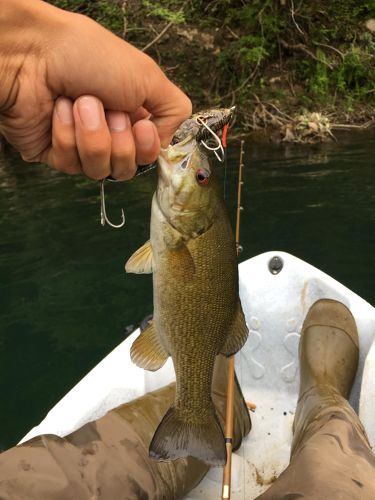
(178, 438)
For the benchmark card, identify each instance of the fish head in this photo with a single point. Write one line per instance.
(187, 189)
(188, 193)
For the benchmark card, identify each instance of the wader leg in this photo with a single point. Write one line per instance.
(108, 459)
(333, 461)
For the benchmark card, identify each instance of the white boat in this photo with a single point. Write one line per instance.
(276, 290)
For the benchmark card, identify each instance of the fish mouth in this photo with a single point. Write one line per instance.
(172, 156)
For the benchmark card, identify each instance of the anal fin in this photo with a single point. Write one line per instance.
(238, 333)
(147, 352)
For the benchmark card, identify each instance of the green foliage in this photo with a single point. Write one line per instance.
(159, 9)
(253, 55)
(324, 46)
(356, 71)
(318, 52)
(72, 5)
(248, 51)
(108, 13)
(319, 82)
(259, 27)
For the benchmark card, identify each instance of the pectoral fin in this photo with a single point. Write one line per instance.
(147, 352)
(182, 263)
(141, 260)
(237, 335)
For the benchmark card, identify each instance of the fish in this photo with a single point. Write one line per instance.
(197, 309)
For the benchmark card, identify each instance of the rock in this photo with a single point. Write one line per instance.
(289, 134)
(193, 35)
(370, 25)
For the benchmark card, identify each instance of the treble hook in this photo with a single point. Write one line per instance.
(103, 214)
(219, 146)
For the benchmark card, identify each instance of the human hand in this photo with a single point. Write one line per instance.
(77, 97)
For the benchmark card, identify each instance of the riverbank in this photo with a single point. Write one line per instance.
(300, 72)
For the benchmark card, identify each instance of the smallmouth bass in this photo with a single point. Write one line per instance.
(197, 309)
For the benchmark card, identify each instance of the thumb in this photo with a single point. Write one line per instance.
(169, 107)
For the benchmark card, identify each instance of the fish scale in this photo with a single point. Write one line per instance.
(210, 296)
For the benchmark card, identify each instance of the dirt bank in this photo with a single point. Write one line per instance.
(300, 70)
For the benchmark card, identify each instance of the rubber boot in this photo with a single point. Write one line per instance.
(329, 352)
(331, 456)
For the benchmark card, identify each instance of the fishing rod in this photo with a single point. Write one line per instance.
(227, 474)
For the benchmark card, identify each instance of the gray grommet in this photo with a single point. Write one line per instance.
(275, 265)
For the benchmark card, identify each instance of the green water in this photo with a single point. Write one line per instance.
(65, 300)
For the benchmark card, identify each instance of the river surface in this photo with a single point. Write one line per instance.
(65, 300)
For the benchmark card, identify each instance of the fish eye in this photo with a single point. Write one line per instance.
(202, 176)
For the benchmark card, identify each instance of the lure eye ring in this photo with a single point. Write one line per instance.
(202, 176)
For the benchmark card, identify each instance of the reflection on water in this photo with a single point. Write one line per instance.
(65, 299)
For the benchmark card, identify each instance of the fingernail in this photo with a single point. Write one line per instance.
(118, 121)
(64, 110)
(148, 136)
(89, 112)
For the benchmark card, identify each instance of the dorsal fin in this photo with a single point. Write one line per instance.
(141, 260)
